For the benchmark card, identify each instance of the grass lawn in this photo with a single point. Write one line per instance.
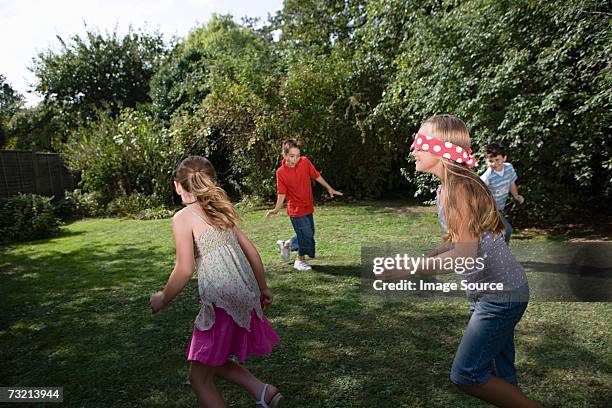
(75, 314)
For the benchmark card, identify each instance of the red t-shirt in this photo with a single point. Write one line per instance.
(295, 183)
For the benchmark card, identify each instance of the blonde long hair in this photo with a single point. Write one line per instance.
(197, 176)
(460, 182)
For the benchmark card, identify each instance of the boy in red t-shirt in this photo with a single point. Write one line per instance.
(293, 182)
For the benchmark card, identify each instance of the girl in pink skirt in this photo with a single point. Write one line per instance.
(231, 284)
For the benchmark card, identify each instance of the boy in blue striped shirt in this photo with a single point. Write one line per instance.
(500, 177)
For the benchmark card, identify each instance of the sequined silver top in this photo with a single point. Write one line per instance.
(225, 278)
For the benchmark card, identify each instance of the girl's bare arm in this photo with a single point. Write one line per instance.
(184, 264)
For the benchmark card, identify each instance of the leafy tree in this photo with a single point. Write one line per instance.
(218, 92)
(11, 102)
(38, 128)
(534, 76)
(319, 26)
(98, 71)
(352, 80)
(218, 53)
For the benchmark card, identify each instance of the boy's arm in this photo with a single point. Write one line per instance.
(183, 268)
(281, 190)
(515, 194)
(279, 204)
(329, 188)
(256, 265)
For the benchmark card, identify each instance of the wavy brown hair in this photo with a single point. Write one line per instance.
(461, 184)
(197, 175)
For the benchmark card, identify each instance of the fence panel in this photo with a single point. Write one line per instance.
(38, 173)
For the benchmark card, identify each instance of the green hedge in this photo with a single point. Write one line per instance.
(27, 217)
(78, 204)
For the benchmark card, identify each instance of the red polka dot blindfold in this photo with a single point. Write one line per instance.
(443, 149)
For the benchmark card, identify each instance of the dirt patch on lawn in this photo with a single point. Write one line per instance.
(588, 230)
(411, 210)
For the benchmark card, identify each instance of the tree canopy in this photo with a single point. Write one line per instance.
(353, 80)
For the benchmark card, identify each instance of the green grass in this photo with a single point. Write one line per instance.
(75, 314)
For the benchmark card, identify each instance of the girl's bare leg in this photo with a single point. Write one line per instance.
(238, 374)
(201, 377)
(501, 394)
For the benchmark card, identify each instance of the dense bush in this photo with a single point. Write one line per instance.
(26, 217)
(219, 93)
(249, 100)
(78, 204)
(138, 206)
(353, 80)
(533, 76)
(122, 156)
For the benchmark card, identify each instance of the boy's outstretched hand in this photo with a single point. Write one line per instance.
(333, 193)
(266, 298)
(520, 199)
(271, 212)
(157, 301)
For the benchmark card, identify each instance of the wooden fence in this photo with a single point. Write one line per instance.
(45, 174)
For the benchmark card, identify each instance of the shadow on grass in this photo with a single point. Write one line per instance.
(338, 270)
(344, 352)
(587, 228)
(80, 320)
(61, 233)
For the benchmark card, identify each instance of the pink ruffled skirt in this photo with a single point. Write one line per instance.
(225, 338)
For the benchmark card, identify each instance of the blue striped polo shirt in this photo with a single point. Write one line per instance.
(499, 183)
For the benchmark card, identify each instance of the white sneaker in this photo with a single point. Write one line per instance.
(285, 252)
(301, 265)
